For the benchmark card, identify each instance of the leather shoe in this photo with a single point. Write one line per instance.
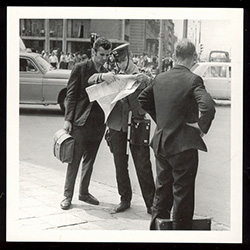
(88, 198)
(122, 207)
(65, 204)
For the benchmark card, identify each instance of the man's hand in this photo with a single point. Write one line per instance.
(143, 79)
(67, 127)
(109, 77)
(195, 125)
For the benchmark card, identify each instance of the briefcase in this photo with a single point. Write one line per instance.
(140, 131)
(63, 146)
(197, 224)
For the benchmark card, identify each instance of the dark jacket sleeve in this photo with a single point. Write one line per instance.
(72, 92)
(146, 100)
(206, 105)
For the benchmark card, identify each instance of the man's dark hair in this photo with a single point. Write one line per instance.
(184, 49)
(102, 42)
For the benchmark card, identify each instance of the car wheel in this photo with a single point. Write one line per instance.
(62, 100)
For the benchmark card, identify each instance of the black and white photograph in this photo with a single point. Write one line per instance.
(125, 124)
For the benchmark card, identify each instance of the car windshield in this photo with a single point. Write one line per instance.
(219, 56)
(44, 64)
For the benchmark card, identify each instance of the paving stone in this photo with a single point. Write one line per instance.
(88, 226)
(33, 224)
(94, 214)
(115, 224)
(219, 227)
(72, 227)
(62, 219)
(41, 211)
(29, 202)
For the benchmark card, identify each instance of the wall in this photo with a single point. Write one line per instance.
(108, 28)
(137, 36)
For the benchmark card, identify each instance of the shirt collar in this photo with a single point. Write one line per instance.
(180, 66)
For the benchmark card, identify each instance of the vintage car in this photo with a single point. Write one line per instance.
(219, 56)
(217, 78)
(40, 83)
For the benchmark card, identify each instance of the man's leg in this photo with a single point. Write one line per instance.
(93, 137)
(185, 166)
(141, 157)
(72, 167)
(119, 145)
(163, 199)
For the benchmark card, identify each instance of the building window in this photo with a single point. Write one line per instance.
(55, 27)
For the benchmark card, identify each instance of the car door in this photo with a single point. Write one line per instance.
(31, 79)
(216, 81)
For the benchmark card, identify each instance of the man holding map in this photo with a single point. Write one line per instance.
(84, 120)
(118, 132)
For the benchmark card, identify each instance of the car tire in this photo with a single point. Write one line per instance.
(62, 100)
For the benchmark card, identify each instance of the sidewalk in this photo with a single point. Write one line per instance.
(40, 194)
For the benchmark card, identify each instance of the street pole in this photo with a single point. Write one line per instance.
(64, 43)
(195, 36)
(199, 54)
(185, 28)
(160, 51)
(200, 32)
(46, 29)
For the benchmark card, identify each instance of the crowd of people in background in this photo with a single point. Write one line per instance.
(146, 64)
(63, 60)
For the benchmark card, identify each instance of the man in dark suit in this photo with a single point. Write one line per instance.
(85, 121)
(174, 101)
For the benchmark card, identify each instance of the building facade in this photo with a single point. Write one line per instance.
(73, 35)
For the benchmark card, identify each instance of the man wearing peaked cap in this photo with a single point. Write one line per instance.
(120, 52)
(117, 135)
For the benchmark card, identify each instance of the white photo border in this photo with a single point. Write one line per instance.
(234, 235)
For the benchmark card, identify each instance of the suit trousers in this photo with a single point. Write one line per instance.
(175, 187)
(87, 141)
(141, 158)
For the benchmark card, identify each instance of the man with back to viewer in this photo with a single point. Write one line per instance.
(85, 121)
(174, 102)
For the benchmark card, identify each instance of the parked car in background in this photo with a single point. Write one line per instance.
(219, 56)
(40, 83)
(217, 78)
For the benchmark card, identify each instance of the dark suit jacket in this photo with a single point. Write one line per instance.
(176, 97)
(78, 106)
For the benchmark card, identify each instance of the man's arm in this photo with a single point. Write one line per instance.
(71, 97)
(102, 77)
(146, 100)
(144, 82)
(206, 105)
